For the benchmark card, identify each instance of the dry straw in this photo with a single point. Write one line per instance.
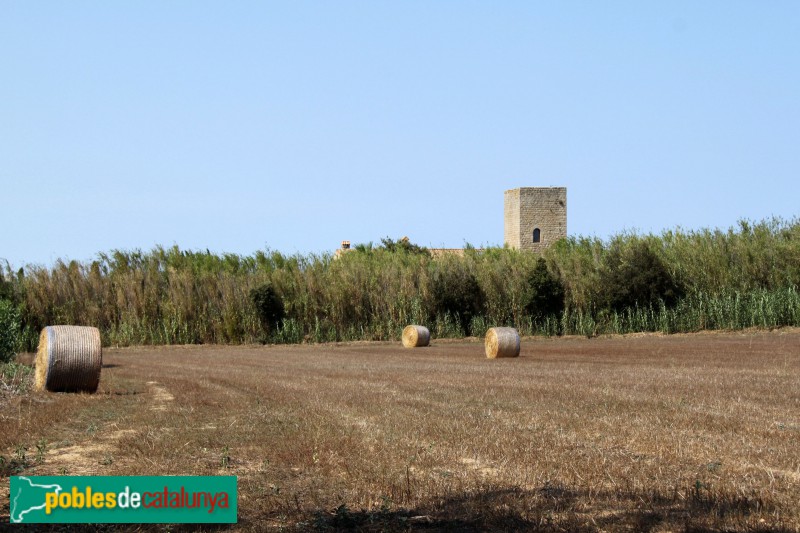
(69, 359)
(416, 336)
(502, 342)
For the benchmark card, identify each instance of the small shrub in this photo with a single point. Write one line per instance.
(9, 330)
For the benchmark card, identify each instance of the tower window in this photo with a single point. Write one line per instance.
(537, 235)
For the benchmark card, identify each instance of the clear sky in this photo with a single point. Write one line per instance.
(238, 126)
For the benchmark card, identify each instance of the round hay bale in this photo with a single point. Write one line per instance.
(69, 359)
(416, 336)
(502, 342)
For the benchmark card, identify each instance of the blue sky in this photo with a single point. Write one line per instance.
(238, 126)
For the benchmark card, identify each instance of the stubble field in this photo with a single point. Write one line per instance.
(647, 433)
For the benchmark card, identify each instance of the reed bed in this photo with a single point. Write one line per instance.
(744, 277)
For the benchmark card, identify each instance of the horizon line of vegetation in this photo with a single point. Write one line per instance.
(678, 281)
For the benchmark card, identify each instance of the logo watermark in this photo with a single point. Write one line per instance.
(123, 499)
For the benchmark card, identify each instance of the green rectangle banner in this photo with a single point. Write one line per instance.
(123, 499)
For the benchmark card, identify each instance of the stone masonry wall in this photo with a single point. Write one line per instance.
(511, 218)
(528, 208)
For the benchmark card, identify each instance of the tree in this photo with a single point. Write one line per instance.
(403, 245)
(546, 296)
(268, 305)
(456, 291)
(635, 275)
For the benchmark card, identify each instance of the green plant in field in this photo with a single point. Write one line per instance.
(19, 453)
(10, 326)
(12, 465)
(225, 458)
(386, 504)
(41, 449)
(343, 518)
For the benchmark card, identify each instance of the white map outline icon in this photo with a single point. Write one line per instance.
(20, 514)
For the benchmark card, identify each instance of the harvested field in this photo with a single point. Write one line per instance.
(645, 433)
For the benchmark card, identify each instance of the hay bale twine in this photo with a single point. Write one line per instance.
(69, 359)
(416, 336)
(502, 342)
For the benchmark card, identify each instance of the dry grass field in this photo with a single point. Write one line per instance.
(646, 433)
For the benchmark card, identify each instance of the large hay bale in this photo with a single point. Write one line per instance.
(69, 359)
(502, 342)
(416, 336)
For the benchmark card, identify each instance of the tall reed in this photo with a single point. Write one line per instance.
(743, 277)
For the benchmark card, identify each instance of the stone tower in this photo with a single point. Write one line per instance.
(535, 217)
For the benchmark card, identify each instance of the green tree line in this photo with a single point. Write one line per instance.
(747, 276)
